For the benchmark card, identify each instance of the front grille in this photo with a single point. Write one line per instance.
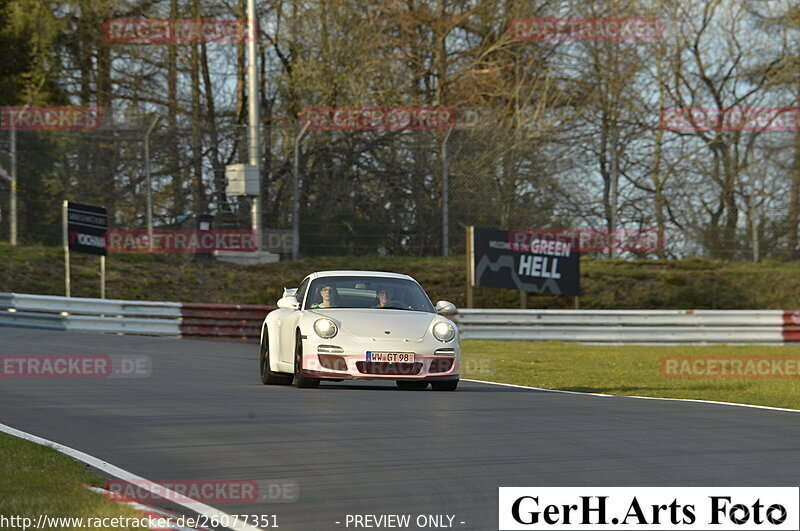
(377, 367)
(336, 363)
(441, 365)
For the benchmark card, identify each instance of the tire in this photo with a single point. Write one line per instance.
(267, 376)
(300, 380)
(447, 385)
(412, 385)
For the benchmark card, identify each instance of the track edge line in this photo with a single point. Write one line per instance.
(697, 400)
(119, 473)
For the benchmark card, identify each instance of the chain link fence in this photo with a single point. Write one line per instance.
(382, 192)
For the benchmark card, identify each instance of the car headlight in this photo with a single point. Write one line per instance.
(325, 328)
(444, 331)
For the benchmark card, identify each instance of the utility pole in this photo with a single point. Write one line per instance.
(252, 101)
(13, 199)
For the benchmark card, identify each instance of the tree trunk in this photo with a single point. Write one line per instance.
(218, 167)
(794, 200)
(199, 204)
(178, 206)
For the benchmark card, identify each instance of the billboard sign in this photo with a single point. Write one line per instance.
(86, 228)
(536, 264)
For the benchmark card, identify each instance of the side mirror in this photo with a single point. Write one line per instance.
(445, 308)
(288, 303)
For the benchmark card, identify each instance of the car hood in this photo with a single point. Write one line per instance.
(374, 323)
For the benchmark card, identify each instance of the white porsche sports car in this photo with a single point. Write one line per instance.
(342, 325)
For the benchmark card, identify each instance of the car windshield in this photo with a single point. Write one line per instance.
(367, 292)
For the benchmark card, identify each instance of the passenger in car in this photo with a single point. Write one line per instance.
(326, 297)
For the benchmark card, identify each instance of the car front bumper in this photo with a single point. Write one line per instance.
(324, 359)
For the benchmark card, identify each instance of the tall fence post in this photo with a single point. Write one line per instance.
(65, 241)
(148, 178)
(446, 195)
(470, 266)
(13, 199)
(296, 196)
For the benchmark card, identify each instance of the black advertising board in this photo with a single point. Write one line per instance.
(526, 261)
(87, 226)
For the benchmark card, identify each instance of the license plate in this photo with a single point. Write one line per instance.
(392, 357)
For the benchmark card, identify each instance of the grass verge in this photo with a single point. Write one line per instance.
(37, 480)
(605, 284)
(626, 370)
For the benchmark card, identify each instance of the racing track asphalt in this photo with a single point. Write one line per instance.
(369, 448)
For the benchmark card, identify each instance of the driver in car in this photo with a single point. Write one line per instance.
(384, 295)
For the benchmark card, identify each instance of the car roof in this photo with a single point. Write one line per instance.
(354, 273)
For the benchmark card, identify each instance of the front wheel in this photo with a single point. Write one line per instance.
(267, 376)
(300, 380)
(447, 385)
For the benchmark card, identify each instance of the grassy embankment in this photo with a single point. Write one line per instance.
(606, 284)
(36, 480)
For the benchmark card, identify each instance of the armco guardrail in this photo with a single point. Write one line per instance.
(216, 321)
(243, 322)
(632, 326)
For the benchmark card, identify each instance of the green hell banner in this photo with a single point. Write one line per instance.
(525, 260)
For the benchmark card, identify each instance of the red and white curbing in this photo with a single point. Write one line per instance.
(148, 511)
